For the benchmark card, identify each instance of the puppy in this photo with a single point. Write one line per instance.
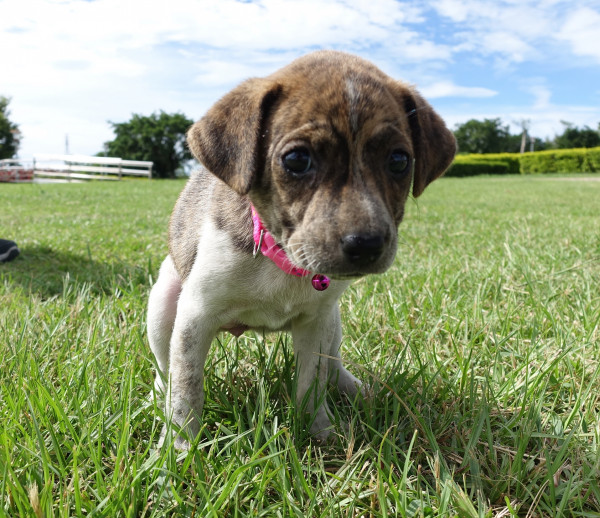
(306, 174)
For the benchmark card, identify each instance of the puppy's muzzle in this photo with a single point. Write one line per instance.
(362, 250)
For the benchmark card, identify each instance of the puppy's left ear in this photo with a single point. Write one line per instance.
(228, 139)
(434, 144)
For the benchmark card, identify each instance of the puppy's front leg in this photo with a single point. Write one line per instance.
(190, 343)
(314, 340)
(339, 376)
(162, 310)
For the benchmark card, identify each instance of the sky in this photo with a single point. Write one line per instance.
(72, 66)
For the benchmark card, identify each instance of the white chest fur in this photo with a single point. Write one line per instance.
(236, 289)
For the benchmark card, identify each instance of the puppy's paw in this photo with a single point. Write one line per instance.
(324, 437)
(321, 428)
(181, 444)
(346, 382)
(177, 441)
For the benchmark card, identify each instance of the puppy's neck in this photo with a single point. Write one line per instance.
(266, 244)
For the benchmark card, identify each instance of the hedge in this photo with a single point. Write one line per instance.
(493, 163)
(474, 167)
(581, 160)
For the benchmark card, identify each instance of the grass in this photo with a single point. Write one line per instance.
(481, 344)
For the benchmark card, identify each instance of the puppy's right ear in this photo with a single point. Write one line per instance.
(228, 139)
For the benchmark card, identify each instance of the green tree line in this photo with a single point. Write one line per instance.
(160, 138)
(9, 131)
(493, 136)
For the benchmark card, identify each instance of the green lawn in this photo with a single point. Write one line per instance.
(482, 345)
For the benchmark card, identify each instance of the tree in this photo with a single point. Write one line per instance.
(159, 137)
(9, 131)
(525, 124)
(487, 136)
(574, 137)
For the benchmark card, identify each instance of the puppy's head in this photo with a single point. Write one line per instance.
(326, 149)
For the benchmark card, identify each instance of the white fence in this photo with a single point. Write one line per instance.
(73, 167)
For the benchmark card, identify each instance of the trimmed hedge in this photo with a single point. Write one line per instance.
(581, 160)
(475, 167)
(493, 163)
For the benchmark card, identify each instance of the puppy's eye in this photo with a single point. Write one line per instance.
(297, 161)
(398, 162)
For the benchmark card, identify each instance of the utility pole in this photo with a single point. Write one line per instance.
(67, 144)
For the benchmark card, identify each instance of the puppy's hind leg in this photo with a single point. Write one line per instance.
(162, 309)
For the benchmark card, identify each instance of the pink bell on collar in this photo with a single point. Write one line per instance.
(320, 282)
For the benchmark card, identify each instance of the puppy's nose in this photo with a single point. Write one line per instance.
(362, 250)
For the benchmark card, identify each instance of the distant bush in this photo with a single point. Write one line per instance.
(493, 163)
(580, 160)
(462, 168)
(593, 159)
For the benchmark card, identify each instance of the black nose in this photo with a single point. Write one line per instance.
(362, 250)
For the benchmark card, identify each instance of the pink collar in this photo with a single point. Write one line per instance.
(264, 241)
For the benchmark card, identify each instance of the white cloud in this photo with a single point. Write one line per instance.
(410, 48)
(513, 31)
(73, 65)
(110, 25)
(456, 10)
(215, 73)
(582, 31)
(504, 43)
(542, 95)
(102, 60)
(449, 89)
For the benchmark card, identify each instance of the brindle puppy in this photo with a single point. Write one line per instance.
(325, 150)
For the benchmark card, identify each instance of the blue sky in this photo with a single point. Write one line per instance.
(70, 66)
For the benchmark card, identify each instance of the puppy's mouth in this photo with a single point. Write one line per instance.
(348, 260)
(342, 269)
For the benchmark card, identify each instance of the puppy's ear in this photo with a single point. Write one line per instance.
(227, 140)
(434, 144)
